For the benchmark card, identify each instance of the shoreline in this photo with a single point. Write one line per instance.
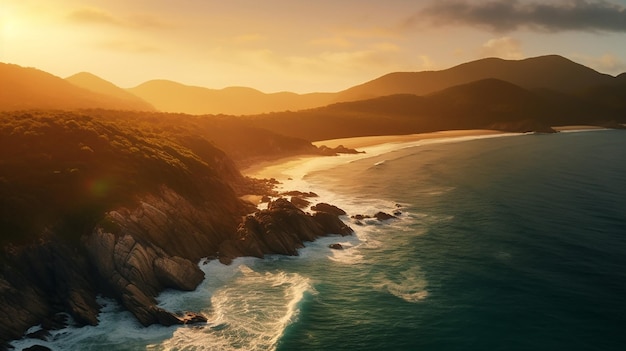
(295, 167)
(366, 141)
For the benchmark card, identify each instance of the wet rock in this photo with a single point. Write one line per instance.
(332, 209)
(193, 318)
(280, 229)
(360, 217)
(336, 246)
(383, 216)
(137, 271)
(331, 224)
(299, 193)
(177, 273)
(40, 334)
(299, 202)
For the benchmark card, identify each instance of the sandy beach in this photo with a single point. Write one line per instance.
(575, 128)
(295, 167)
(361, 142)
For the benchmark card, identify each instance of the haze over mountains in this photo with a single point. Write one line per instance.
(31, 88)
(168, 96)
(96, 84)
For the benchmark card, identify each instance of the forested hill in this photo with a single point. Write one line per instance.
(484, 104)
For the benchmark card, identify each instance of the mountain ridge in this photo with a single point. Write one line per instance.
(484, 104)
(170, 96)
(550, 71)
(99, 85)
(31, 88)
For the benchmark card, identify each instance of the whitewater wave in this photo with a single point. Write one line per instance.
(118, 329)
(250, 312)
(410, 285)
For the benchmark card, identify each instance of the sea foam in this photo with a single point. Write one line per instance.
(249, 312)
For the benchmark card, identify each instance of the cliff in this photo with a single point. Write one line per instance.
(92, 205)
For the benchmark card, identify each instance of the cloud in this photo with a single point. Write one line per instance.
(607, 63)
(93, 16)
(128, 46)
(504, 47)
(101, 17)
(510, 15)
(333, 42)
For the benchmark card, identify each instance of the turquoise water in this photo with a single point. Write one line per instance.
(510, 243)
(520, 243)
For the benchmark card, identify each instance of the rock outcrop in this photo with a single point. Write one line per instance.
(41, 279)
(280, 229)
(300, 202)
(381, 216)
(135, 253)
(334, 151)
(324, 207)
(131, 255)
(136, 272)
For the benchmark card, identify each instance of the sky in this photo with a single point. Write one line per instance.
(297, 45)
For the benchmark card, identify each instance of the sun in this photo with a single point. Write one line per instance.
(10, 24)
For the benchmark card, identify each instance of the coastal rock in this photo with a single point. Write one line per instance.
(334, 151)
(332, 209)
(41, 334)
(383, 216)
(336, 246)
(40, 279)
(193, 318)
(280, 229)
(135, 253)
(360, 217)
(331, 224)
(136, 272)
(299, 202)
(177, 273)
(299, 193)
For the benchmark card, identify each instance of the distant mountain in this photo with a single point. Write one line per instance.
(483, 104)
(171, 96)
(98, 85)
(545, 72)
(30, 88)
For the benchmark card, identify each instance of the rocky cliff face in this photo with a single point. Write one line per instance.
(137, 252)
(132, 255)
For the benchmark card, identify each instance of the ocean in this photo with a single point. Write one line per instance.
(503, 243)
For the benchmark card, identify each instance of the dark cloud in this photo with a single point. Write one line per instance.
(509, 15)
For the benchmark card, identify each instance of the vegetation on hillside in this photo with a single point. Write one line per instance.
(62, 170)
(484, 104)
